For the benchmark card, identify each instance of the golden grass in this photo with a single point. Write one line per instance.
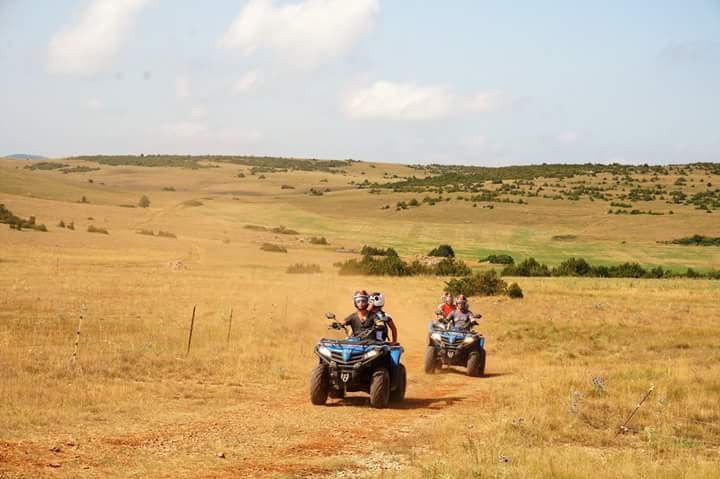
(135, 405)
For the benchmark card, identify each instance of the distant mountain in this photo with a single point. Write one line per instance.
(25, 156)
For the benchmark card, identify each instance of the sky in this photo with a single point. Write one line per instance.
(453, 82)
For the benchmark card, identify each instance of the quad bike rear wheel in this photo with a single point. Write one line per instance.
(430, 360)
(399, 393)
(319, 384)
(380, 388)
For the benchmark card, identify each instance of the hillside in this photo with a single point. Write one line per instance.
(567, 364)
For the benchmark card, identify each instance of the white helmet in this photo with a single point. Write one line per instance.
(377, 300)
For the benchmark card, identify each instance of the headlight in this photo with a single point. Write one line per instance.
(371, 354)
(436, 336)
(325, 352)
(468, 339)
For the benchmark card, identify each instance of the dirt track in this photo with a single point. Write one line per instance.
(267, 433)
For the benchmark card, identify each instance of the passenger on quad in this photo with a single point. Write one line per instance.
(447, 306)
(362, 321)
(462, 317)
(377, 301)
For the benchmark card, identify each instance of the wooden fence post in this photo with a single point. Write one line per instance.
(229, 327)
(192, 323)
(76, 349)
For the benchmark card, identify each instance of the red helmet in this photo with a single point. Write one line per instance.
(360, 299)
(461, 301)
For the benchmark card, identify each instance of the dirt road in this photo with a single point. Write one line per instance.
(268, 432)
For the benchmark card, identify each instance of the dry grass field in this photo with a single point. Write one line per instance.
(566, 365)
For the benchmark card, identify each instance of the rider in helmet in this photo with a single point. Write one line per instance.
(447, 306)
(462, 317)
(362, 319)
(377, 301)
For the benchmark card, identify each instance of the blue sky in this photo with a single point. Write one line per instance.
(472, 82)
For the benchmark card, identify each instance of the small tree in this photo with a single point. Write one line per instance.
(144, 201)
(444, 250)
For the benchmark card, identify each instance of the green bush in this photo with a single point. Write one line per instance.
(303, 268)
(499, 259)
(373, 251)
(273, 248)
(573, 267)
(96, 229)
(318, 240)
(528, 267)
(146, 232)
(144, 201)
(487, 283)
(444, 250)
(17, 223)
(514, 291)
(452, 267)
(166, 234)
(281, 230)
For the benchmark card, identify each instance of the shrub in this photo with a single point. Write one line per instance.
(61, 224)
(528, 267)
(273, 248)
(71, 226)
(255, 228)
(499, 259)
(626, 270)
(146, 232)
(168, 188)
(514, 291)
(384, 266)
(444, 250)
(144, 201)
(487, 283)
(15, 222)
(452, 267)
(287, 187)
(83, 200)
(192, 203)
(373, 251)
(166, 234)
(318, 240)
(573, 267)
(95, 229)
(304, 268)
(281, 230)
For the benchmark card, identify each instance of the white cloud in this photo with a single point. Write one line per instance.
(304, 34)
(407, 101)
(245, 82)
(182, 87)
(89, 45)
(487, 101)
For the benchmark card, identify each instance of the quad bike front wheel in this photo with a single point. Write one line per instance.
(476, 363)
(380, 388)
(399, 393)
(319, 384)
(430, 360)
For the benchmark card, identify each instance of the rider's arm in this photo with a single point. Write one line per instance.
(393, 329)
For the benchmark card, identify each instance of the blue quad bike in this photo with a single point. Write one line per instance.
(448, 346)
(358, 363)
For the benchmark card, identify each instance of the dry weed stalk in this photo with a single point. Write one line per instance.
(623, 429)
